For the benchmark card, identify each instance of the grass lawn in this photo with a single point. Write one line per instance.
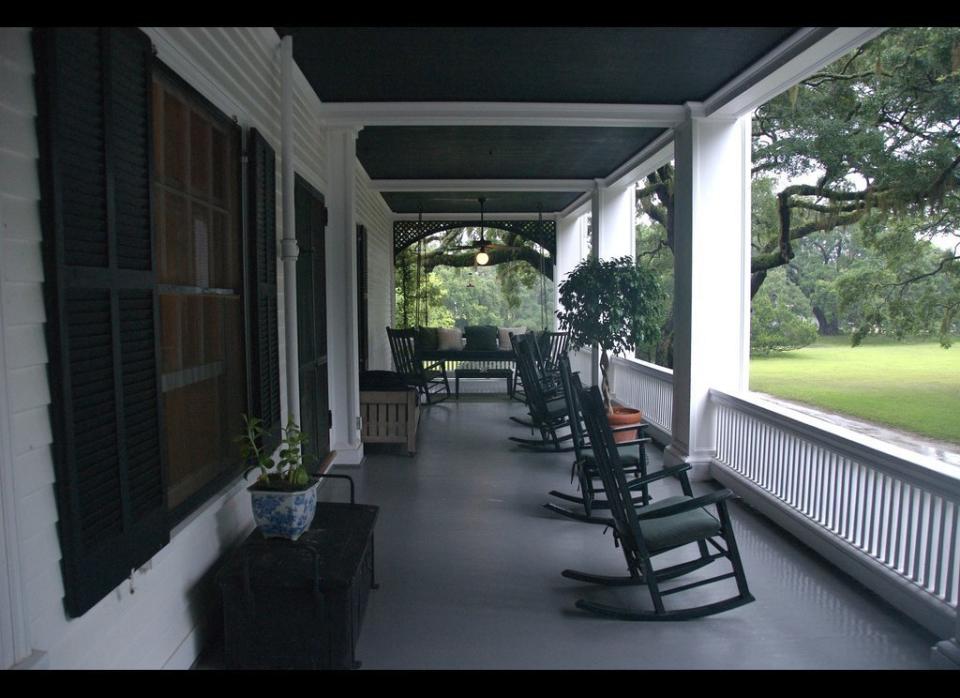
(909, 385)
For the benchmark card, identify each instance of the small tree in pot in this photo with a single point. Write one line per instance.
(612, 303)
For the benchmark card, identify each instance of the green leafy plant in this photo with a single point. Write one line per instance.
(289, 471)
(612, 303)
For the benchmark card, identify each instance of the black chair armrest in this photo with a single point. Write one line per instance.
(659, 475)
(696, 503)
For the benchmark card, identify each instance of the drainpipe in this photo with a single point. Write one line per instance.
(288, 244)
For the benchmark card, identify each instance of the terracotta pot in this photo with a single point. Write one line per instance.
(622, 416)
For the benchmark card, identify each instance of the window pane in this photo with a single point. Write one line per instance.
(201, 308)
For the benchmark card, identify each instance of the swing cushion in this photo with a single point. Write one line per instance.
(427, 339)
(449, 339)
(505, 342)
(481, 337)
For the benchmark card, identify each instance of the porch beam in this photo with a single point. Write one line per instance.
(711, 305)
(500, 114)
(382, 185)
(516, 216)
(805, 52)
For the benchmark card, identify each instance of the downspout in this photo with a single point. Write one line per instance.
(288, 244)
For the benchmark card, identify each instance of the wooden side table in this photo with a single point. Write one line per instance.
(299, 604)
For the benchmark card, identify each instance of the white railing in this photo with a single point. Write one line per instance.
(646, 387)
(580, 362)
(887, 516)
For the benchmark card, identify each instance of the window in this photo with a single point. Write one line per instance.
(145, 274)
(199, 243)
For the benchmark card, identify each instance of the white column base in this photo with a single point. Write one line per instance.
(699, 465)
(348, 454)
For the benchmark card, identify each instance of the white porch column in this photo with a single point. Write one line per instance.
(343, 362)
(711, 278)
(568, 250)
(617, 215)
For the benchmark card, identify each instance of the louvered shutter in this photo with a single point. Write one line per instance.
(262, 218)
(94, 127)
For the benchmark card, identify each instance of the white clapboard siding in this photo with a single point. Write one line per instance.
(373, 212)
(160, 624)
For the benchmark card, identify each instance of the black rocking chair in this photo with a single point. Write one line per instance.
(430, 380)
(642, 534)
(633, 457)
(549, 347)
(545, 403)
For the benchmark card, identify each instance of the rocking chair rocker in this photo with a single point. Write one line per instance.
(644, 533)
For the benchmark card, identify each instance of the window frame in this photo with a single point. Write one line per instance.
(237, 135)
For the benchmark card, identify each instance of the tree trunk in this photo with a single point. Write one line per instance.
(828, 328)
(604, 382)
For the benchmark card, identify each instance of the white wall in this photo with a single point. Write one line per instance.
(373, 212)
(32, 548)
(238, 70)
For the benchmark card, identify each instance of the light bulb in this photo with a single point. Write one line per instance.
(482, 258)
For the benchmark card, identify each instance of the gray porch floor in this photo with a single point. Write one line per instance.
(469, 568)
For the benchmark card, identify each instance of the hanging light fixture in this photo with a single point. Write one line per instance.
(482, 257)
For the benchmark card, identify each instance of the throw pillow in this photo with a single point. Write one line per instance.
(427, 339)
(505, 336)
(449, 339)
(481, 337)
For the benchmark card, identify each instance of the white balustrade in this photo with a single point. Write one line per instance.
(646, 387)
(885, 515)
(899, 509)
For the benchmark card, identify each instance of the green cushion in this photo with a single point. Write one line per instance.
(679, 529)
(427, 338)
(628, 460)
(481, 337)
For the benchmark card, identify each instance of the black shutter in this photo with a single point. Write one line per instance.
(262, 221)
(95, 135)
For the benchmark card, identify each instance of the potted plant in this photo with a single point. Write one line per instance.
(284, 497)
(615, 304)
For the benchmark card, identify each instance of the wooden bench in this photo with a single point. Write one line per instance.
(390, 416)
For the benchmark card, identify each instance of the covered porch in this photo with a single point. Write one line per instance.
(469, 562)
(469, 567)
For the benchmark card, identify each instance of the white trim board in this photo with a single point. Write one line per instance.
(500, 114)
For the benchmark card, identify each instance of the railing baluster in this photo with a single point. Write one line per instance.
(921, 544)
(930, 551)
(952, 589)
(893, 531)
(944, 553)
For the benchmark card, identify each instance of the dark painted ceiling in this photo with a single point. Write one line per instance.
(641, 65)
(497, 152)
(467, 202)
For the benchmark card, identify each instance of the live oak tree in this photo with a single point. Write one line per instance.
(869, 141)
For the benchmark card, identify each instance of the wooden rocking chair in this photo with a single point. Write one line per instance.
(633, 457)
(644, 533)
(546, 406)
(430, 380)
(549, 347)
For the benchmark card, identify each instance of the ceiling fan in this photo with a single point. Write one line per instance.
(482, 245)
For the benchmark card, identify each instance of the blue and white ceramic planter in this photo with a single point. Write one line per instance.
(283, 514)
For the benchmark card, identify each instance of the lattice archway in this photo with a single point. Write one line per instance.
(544, 233)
